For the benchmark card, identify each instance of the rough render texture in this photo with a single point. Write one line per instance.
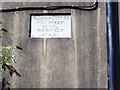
(79, 62)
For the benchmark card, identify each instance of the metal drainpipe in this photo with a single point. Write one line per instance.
(112, 21)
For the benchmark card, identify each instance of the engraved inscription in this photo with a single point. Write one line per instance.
(51, 26)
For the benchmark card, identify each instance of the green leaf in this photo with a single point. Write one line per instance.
(7, 48)
(1, 57)
(8, 63)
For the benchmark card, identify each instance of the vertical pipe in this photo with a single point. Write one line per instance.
(112, 44)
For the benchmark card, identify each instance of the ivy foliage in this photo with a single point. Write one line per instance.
(6, 60)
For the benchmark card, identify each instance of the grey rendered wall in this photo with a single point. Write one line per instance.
(78, 62)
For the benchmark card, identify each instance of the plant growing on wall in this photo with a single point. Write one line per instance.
(6, 60)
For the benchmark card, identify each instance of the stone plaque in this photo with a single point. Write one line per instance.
(50, 26)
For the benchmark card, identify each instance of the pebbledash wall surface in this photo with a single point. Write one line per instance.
(76, 62)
